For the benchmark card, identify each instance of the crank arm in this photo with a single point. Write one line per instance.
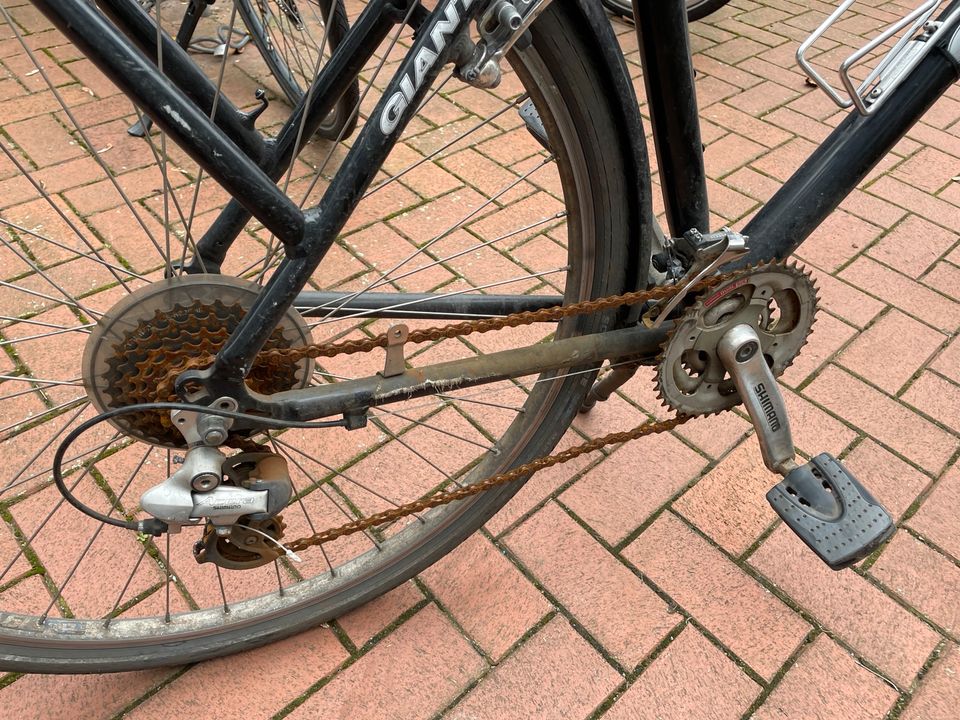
(821, 501)
(739, 350)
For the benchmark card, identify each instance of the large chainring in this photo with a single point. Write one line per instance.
(779, 301)
(168, 325)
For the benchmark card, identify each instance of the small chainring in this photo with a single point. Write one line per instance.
(162, 327)
(779, 301)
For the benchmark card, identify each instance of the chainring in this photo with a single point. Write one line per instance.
(168, 325)
(779, 301)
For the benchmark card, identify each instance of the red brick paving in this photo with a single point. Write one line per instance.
(853, 692)
(690, 678)
(731, 605)
(554, 675)
(704, 613)
(937, 698)
(612, 604)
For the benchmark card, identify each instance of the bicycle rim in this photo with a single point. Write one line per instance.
(470, 204)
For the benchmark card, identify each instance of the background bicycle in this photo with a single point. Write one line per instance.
(294, 41)
(869, 443)
(696, 9)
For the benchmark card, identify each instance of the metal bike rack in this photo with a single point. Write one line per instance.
(920, 35)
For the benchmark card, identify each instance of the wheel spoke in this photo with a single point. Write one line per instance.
(68, 298)
(443, 148)
(403, 305)
(83, 136)
(47, 518)
(94, 257)
(126, 586)
(385, 277)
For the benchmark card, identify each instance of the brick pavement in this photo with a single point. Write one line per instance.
(652, 581)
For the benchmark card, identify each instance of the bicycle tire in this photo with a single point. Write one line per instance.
(696, 9)
(589, 176)
(289, 40)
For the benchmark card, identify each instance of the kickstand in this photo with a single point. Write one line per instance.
(609, 384)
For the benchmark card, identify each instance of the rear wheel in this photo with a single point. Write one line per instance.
(467, 203)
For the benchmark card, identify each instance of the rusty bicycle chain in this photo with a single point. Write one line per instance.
(486, 325)
(461, 493)
(468, 327)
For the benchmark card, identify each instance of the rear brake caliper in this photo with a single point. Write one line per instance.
(502, 24)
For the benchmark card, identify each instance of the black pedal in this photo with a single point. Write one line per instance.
(831, 511)
(530, 116)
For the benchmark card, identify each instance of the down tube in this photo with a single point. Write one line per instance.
(842, 161)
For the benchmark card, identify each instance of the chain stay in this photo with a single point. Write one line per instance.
(480, 326)
(447, 332)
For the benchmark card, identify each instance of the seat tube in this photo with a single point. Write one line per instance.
(674, 116)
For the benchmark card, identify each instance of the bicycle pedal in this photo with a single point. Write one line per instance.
(530, 116)
(831, 511)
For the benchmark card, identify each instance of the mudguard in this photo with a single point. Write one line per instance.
(606, 50)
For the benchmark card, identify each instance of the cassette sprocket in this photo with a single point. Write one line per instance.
(778, 300)
(161, 328)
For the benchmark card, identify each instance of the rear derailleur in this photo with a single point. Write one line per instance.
(240, 497)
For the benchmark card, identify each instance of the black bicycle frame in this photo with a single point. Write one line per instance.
(246, 165)
(815, 190)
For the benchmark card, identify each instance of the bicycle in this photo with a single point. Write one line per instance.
(696, 9)
(293, 44)
(170, 369)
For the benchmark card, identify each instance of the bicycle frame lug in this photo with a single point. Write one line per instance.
(194, 386)
(395, 363)
(739, 351)
(199, 428)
